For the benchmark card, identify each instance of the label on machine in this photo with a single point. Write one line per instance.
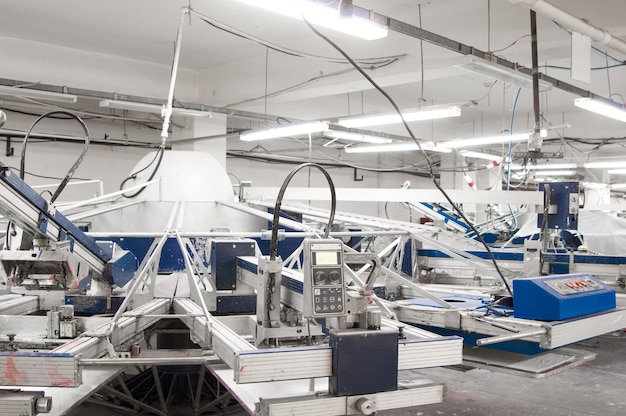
(559, 297)
(324, 289)
(574, 285)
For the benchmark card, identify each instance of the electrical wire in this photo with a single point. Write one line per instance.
(83, 113)
(508, 175)
(47, 177)
(322, 162)
(493, 84)
(221, 26)
(598, 68)
(279, 201)
(370, 169)
(133, 176)
(292, 87)
(410, 132)
(511, 44)
(509, 156)
(303, 84)
(76, 164)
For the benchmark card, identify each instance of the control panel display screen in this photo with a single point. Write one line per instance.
(325, 258)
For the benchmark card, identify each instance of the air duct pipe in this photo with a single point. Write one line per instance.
(574, 23)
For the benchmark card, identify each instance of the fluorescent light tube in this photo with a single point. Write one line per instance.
(606, 108)
(284, 131)
(426, 113)
(43, 95)
(609, 164)
(544, 167)
(616, 171)
(324, 16)
(502, 73)
(618, 186)
(356, 137)
(479, 155)
(152, 108)
(555, 172)
(485, 140)
(395, 147)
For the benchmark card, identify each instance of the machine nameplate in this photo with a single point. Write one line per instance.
(575, 285)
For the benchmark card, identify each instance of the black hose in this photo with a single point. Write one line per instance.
(419, 146)
(76, 164)
(279, 201)
(133, 176)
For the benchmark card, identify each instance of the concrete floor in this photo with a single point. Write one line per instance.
(597, 387)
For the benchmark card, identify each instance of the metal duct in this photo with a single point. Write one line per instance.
(576, 24)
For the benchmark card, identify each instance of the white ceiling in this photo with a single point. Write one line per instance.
(146, 29)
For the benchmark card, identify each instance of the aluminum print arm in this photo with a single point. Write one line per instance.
(30, 211)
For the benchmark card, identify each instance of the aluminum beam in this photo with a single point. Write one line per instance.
(395, 195)
(311, 398)
(18, 305)
(39, 369)
(94, 344)
(214, 334)
(553, 334)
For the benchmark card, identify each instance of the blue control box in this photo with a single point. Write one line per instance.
(559, 297)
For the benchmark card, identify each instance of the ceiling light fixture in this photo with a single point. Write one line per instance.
(395, 147)
(40, 94)
(152, 108)
(324, 16)
(608, 164)
(555, 173)
(502, 73)
(479, 155)
(616, 171)
(547, 166)
(485, 140)
(356, 137)
(284, 131)
(418, 114)
(607, 108)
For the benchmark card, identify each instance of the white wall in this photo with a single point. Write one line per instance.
(49, 64)
(36, 62)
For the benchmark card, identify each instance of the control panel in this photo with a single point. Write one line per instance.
(559, 297)
(324, 289)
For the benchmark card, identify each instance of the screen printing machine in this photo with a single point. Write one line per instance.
(326, 322)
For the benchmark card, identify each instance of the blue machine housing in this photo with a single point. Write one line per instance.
(563, 196)
(224, 255)
(559, 297)
(122, 266)
(364, 361)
